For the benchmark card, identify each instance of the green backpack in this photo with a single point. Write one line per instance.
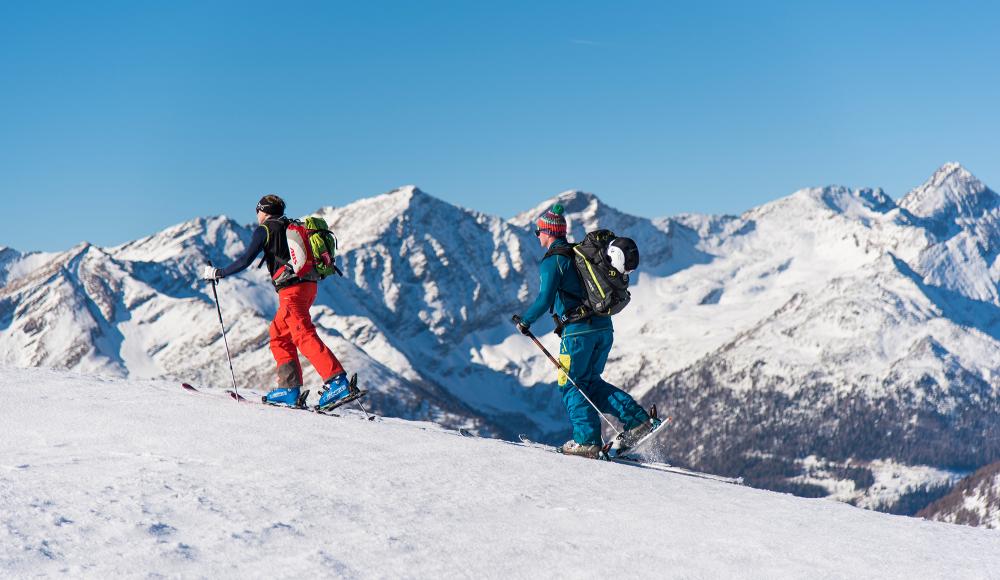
(323, 244)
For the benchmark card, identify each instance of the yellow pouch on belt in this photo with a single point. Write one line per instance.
(564, 359)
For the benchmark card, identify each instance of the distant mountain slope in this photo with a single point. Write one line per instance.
(974, 501)
(865, 332)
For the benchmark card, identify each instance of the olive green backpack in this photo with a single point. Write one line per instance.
(324, 246)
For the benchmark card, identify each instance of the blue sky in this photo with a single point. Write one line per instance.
(121, 118)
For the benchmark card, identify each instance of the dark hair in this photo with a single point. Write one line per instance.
(271, 204)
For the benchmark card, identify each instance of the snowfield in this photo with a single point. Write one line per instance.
(114, 478)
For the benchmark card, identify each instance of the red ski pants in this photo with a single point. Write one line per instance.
(292, 332)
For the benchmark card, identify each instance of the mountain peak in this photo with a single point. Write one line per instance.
(952, 192)
(367, 219)
(575, 200)
(577, 205)
(407, 196)
(408, 191)
(215, 237)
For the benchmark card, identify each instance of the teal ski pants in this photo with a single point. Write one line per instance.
(585, 356)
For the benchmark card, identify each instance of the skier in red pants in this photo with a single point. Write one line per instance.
(292, 330)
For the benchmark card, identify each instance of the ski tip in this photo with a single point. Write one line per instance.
(189, 387)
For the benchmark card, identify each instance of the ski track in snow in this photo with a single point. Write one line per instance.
(111, 478)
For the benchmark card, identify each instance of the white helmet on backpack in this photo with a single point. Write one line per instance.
(624, 255)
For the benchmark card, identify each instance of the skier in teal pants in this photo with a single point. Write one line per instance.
(584, 348)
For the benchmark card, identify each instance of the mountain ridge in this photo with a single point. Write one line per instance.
(781, 332)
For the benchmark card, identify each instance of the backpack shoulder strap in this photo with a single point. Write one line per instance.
(560, 250)
(267, 229)
(566, 251)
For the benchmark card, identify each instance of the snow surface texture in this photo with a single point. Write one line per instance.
(832, 323)
(105, 478)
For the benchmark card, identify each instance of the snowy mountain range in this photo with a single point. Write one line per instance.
(833, 342)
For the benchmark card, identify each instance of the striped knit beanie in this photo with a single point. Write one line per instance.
(552, 222)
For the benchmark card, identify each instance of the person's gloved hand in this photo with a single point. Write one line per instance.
(522, 326)
(210, 273)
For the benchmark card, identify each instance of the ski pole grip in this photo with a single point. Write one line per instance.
(214, 282)
(521, 327)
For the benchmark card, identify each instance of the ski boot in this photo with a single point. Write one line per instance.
(627, 439)
(337, 391)
(287, 396)
(571, 447)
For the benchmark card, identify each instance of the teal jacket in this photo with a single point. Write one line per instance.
(561, 291)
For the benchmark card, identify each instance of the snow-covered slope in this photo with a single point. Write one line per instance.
(106, 478)
(975, 501)
(806, 344)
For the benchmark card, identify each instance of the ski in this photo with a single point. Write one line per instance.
(341, 402)
(611, 451)
(237, 397)
(638, 462)
(666, 467)
(355, 395)
(352, 388)
(241, 399)
(526, 442)
(299, 406)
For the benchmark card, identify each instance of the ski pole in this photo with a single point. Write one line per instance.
(370, 418)
(565, 371)
(224, 339)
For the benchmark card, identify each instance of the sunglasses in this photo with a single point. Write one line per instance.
(538, 233)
